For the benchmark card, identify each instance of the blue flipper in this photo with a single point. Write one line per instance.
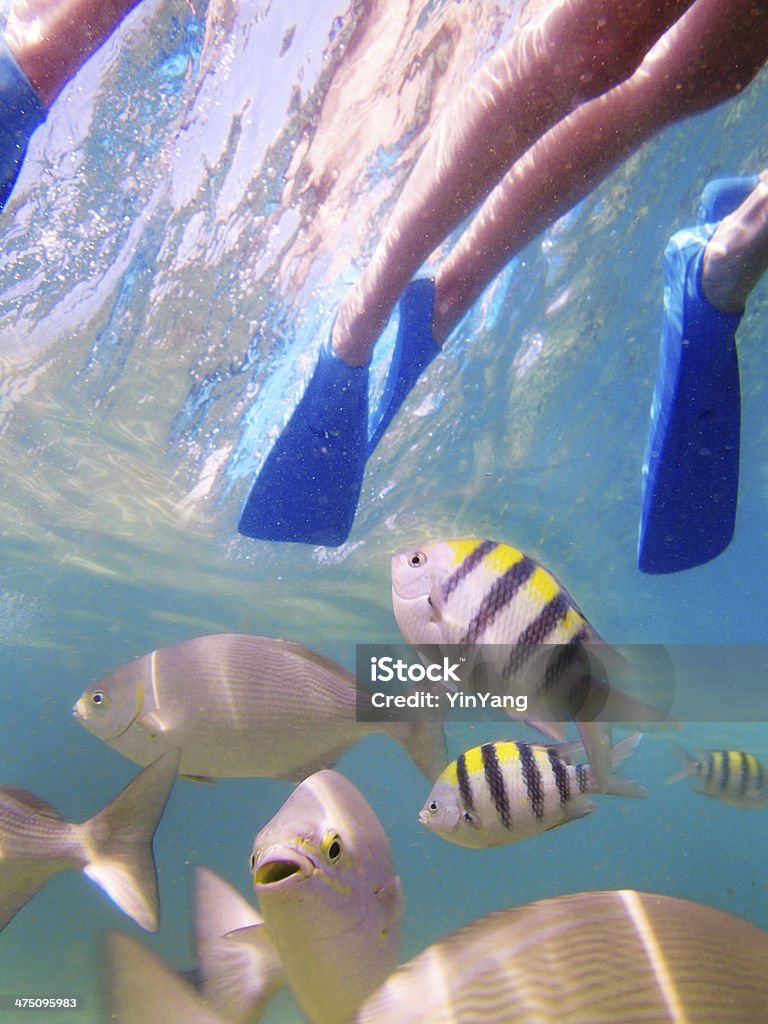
(414, 350)
(691, 466)
(20, 113)
(724, 195)
(308, 488)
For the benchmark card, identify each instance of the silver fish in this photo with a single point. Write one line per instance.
(482, 595)
(330, 896)
(501, 792)
(113, 849)
(239, 705)
(617, 957)
(731, 776)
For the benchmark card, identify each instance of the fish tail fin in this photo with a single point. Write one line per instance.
(424, 743)
(689, 765)
(144, 990)
(119, 841)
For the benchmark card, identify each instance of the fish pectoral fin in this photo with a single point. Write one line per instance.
(204, 779)
(152, 722)
(390, 897)
(436, 602)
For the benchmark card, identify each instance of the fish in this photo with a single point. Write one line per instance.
(501, 792)
(113, 849)
(237, 968)
(731, 776)
(329, 894)
(610, 957)
(242, 706)
(473, 592)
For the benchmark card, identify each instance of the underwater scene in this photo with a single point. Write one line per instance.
(187, 220)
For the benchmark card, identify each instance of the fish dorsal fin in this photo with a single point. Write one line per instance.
(34, 803)
(320, 660)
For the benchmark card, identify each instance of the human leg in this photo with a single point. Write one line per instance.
(736, 256)
(576, 50)
(708, 56)
(52, 39)
(21, 112)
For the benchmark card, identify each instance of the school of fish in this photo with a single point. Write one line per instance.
(330, 901)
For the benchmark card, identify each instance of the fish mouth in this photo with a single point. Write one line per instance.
(278, 866)
(423, 817)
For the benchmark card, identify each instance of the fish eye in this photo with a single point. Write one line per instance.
(433, 806)
(416, 559)
(98, 697)
(333, 848)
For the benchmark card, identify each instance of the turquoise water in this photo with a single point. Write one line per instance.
(183, 229)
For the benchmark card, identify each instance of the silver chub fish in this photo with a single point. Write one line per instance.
(615, 957)
(485, 595)
(330, 896)
(238, 706)
(114, 848)
(501, 792)
(731, 776)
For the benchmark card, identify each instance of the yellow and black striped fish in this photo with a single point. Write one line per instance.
(508, 790)
(482, 592)
(732, 776)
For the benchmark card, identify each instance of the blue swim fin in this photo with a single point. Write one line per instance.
(21, 112)
(691, 466)
(308, 488)
(414, 350)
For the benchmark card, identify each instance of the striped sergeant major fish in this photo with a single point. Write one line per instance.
(732, 776)
(481, 592)
(508, 790)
